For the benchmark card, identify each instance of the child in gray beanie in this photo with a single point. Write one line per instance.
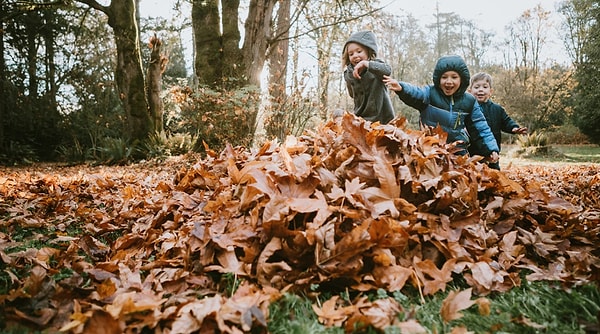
(364, 78)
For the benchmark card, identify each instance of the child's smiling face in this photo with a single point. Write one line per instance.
(356, 53)
(450, 82)
(482, 90)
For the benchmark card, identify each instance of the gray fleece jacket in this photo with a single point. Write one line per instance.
(371, 98)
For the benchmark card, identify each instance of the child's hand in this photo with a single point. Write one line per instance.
(494, 157)
(359, 68)
(391, 83)
(521, 130)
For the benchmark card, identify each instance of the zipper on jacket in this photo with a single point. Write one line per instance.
(457, 122)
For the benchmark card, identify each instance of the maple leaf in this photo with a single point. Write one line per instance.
(392, 278)
(190, 316)
(432, 278)
(331, 314)
(454, 303)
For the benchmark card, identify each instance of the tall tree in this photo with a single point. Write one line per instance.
(208, 47)
(528, 35)
(587, 95)
(31, 116)
(3, 77)
(475, 42)
(123, 19)
(446, 32)
(219, 62)
(278, 65)
(576, 26)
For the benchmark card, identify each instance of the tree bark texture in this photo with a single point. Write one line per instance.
(158, 64)
(257, 38)
(232, 55)
(129, 73)
(278, 60)
(207, 39)
(3, 82)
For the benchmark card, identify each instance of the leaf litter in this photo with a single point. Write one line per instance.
(352, 206)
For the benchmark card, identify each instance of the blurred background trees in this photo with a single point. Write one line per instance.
(73, 74)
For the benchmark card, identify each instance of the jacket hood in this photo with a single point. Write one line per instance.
(452, 63)
(366, 38)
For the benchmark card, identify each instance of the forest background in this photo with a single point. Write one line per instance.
(93, 80)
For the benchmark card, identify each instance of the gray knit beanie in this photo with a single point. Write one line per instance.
(366, 38)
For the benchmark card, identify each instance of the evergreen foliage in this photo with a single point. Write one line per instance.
(587, 94)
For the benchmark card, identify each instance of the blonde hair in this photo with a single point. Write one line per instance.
(346, 59)
(481, 76)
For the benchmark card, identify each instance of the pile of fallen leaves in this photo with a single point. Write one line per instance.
(350, 207)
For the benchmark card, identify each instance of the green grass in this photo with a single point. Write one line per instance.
(535, 307)
(580, 153)
(560, 153)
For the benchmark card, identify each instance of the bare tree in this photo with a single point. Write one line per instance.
(527, 36)
(475, 43)
(577, 23)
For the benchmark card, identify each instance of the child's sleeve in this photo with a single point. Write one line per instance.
(413, 96)
(379, 68)
(480, 132)
(508, 124)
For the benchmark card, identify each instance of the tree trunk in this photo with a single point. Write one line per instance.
(3, 85)
(129, 73)
(32, 70)
(278, 60)
(232, 55)
(257, 39)
(158, 64)
(122, 18)
(324, 52)
(207, 40)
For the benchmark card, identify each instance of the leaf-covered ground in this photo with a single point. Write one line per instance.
(156, 245)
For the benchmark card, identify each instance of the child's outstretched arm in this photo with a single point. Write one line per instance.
(520, 130)
(392, 84)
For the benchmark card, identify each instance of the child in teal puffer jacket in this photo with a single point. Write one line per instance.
(448, 104)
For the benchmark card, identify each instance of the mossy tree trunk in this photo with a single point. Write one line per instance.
(156, 68)
(123, 19)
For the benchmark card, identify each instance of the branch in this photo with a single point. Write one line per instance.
(354, 18)
(94, 4)
(22, 7)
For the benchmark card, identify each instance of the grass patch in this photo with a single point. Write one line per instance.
(562, 153)
(534, 307)
(580, 153)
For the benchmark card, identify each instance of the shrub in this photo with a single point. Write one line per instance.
(162, 145)
(116, 151)
(16, 153)
(216, 117)
(535, 144)
(534, 139)
(567, 134)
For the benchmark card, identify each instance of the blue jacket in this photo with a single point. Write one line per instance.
(498, 121)
(459, 115)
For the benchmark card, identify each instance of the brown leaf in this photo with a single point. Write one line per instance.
(101, 322)
(454, 303)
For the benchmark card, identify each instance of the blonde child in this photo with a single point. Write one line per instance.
(497, 118)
